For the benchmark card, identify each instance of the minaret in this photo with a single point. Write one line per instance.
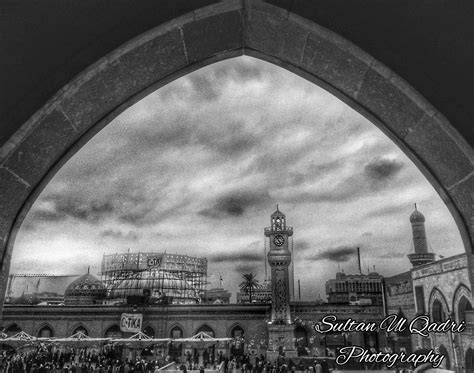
(421, 255)
(280, 328)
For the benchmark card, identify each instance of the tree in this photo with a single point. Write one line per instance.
(249, 284)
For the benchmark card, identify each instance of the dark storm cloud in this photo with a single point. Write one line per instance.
(392, 254)
(236, 257)
(132, 209)
(46, 216)
(302, 245)
(235, 204)
(67, 205)
(248, 268)
(227, 138)
(390, 211)
(115, 234)
(208, 85)
(381, 169)
(315, 171)
(204, 87)
(336, 254)
(232, 143)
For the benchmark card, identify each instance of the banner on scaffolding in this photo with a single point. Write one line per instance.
(131, 322)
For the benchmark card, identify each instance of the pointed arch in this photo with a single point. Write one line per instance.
(206, 329)
(176, 326)
(172, 49)
(45, 330)
(438, 307)
(462, 302)
(79, 327)
(233, 327)
(149, 331)
(113, 331)
(447, 360)
(13, 329)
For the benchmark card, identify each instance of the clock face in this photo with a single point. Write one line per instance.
(279, 240)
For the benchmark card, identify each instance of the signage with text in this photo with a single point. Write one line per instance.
(131, 322)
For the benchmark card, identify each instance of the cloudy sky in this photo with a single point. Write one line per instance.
(198, 167)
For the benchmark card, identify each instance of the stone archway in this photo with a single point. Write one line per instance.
(228, 29)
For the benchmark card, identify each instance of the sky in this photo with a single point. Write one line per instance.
(198, 166)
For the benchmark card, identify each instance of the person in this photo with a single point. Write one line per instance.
(201, 369)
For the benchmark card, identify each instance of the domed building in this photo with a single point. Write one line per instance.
(85, 290)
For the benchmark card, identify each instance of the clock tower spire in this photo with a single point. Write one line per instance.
(280, 326)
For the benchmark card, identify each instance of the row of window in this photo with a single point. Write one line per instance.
(115, 332)
(358, 287)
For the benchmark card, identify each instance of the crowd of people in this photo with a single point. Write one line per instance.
(68, 360)
(48, 358)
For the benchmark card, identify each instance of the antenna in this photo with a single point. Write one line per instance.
(358, 258)
(415, 206)
(292, 270)
(264, 256)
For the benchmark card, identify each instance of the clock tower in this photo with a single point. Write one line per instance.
(280, 326)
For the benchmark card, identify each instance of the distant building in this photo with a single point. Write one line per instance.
(355, 289)
(86, 290)
(437, 289)
(215, 296)
(261, 294)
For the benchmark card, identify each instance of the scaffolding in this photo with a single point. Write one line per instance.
(180, 278)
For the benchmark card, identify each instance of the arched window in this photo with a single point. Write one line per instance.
(209, 353)
(206, 329)
(80, 329)
(437, 313)
(12, 330)
(444, 352)
(237, 348)
(463, 306)
(113, 332)
(176, 349)
(301, 341)
(149, 332)
(45, 332)
(470, 360)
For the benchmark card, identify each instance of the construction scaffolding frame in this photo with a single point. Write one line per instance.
(180, 278)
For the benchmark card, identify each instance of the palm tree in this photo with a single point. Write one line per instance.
(250, 283)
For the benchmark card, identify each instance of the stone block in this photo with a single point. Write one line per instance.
(284, 40)
(436, 148)
(463, 196)
(336, 66)
(41, 148)
(380, 96)
(152, 61)
(113, 82)
(213, 35)
(12, 196)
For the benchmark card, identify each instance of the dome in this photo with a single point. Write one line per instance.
(417, 217)
(86, 289)
(278, 213)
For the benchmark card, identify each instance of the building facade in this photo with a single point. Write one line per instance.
(437, 289)
(247, 324)
(360, 288)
